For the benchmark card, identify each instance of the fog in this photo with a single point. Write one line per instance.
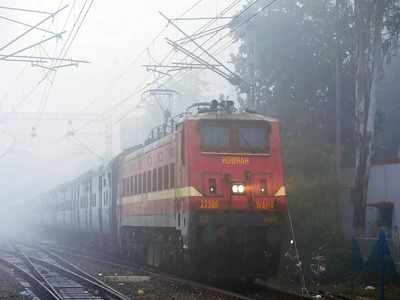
(36, 150)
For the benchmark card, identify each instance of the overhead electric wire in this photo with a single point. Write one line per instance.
(77, 30)
(169, 53)
(236, 27)
(142, 85)
(25, 24)
(224, 11)
(46, 74)
(209, 23)
(143, 52)
(31, 28)
(65, 48)
(26, 10)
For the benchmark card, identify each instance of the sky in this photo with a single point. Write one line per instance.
(36, 114)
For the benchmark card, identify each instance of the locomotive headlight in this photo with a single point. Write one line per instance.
(238, 188)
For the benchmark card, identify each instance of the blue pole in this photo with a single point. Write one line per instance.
(381, 264)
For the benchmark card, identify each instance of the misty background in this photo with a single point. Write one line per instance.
(43, 149)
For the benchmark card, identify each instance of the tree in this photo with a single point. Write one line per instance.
(372, 20)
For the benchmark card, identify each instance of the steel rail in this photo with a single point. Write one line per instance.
(28, 262)
(71, 271)
(75, 269)
(163, 276)
(274, 291)
(38, 288)
(102, 289)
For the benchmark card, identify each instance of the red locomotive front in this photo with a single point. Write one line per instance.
(234, 160)
(206, 195)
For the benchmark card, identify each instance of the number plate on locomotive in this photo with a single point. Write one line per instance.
(264, 204)
(209, 203)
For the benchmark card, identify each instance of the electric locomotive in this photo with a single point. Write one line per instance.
(204, 195)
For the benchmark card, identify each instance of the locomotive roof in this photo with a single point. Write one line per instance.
(221, 115)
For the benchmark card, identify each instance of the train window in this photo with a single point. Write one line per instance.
(148, 181)
(128, 186)
(159, 179)
(172, 175)
(144, 182)
(135, 185)
(215, 135)
(140, 183)
(154, 180)
(166, 177)
(253, 138)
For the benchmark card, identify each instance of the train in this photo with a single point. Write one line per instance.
(203, 195)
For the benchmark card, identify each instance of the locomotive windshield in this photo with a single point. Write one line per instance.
(215, 136)
(224, 136)
(252, 138)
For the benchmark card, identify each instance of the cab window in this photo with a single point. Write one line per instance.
(215, 136)
(253, 138)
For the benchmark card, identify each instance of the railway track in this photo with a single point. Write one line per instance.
(186, 289)
(263, 291)
(51, 277)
